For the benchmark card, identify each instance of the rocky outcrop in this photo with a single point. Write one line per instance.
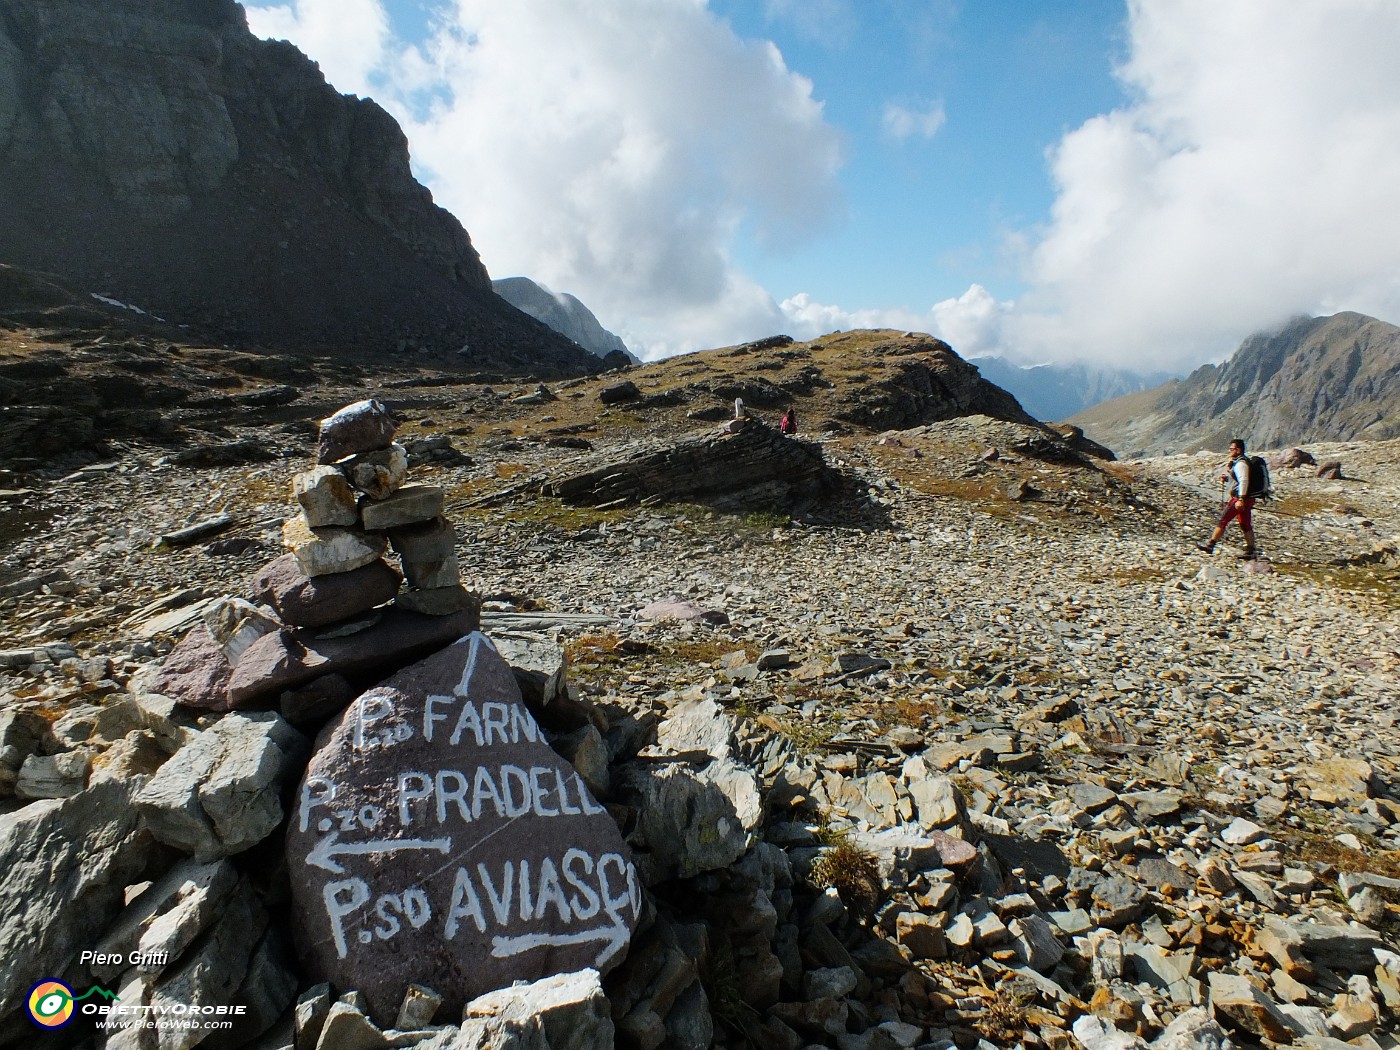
(753, 466)
(926, 382)
(1315, 379)
(567, 316)
(163, 156)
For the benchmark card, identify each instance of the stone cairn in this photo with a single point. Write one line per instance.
(355, 503)
(347, 615)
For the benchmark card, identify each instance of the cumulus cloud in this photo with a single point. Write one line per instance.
(1253, 177)
(922, 120)
(972, 323)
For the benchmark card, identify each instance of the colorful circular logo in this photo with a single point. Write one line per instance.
(51, 1004)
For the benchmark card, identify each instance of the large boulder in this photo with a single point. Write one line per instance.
(66, 864)
(438, 840)
(221, 793)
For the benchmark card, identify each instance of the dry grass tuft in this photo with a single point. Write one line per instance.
(852, 872)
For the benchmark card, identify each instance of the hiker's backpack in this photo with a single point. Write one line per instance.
(1261, 486)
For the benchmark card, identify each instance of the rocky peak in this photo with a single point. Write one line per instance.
(158, 152)
(567, 315)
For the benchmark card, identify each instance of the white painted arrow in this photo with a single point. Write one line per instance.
(325, 851)
(614, 938)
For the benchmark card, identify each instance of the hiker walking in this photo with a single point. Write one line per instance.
(1239, 475)
(788, 424)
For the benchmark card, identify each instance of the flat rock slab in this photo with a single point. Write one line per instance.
(314, 601)
(438, 840)
(331, 548)
(290, 659)
(699, 467)
(410, 504)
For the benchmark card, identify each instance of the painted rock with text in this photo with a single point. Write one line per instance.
(438, 840)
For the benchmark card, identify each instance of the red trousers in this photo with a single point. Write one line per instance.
(1238, 508)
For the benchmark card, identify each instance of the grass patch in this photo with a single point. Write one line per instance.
(1378, 582)
(807, 735)
(767, 520)
(613, 422)
(1006, 1020)
(1320, 848)
(1300, 504)
(908, 710)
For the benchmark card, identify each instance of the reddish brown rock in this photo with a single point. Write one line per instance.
(290, 659)
(196, 673)
(438, 840)
(317, 700)
(1331, 470)
(364, 426)
(956, 854)
(314, 601)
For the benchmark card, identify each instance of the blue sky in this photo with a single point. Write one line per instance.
(1131, 182)
(929, 211)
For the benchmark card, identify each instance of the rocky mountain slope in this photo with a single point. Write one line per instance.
(155, 152)
(1316, 379)
(976, 746)
(567, 316)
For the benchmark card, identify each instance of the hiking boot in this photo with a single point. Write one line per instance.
(1209, 548)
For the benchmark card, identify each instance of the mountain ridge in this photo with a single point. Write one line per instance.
(1331, 378)
(158, 153)
(567, 315)
(1056, 392)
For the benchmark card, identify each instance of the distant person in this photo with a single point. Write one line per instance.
(788, 424)
(1241, 504)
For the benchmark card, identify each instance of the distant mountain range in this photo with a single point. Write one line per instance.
(1056, 392)
(157, 153)
(1331, 378)
(567, 316)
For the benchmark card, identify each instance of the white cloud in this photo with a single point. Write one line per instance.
(920, 121)
(971, 324)
(1253, 177)
(611, 149)
(349, 38)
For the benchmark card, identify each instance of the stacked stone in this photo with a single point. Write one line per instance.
(344, 615)
(355, 504)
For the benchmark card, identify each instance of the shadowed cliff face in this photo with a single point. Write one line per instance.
(157, 152)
